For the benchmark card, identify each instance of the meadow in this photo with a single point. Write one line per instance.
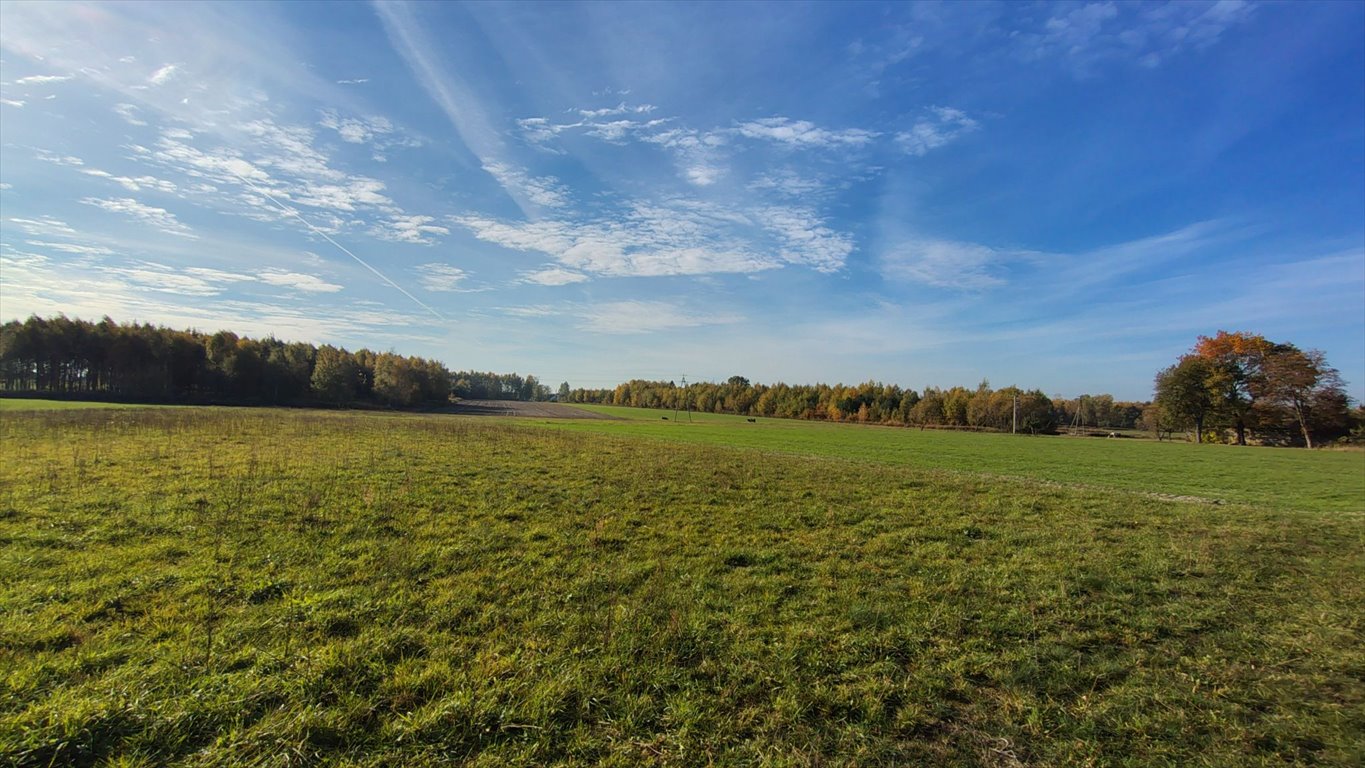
(212, 586)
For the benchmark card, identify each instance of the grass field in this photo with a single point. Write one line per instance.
(12, 404)
(268, 587)
(1284, 478)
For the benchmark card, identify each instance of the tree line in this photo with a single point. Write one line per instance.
(1242, 385)
(1233, 386)
(132, 361)
(481, 385)
(874, 402)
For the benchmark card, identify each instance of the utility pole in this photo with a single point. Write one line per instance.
(675, 400)
(1014, 428)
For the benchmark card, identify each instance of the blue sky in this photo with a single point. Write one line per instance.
(1061, 196)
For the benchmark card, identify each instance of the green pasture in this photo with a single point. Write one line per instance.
(1283, 478)
(225, 587)
(12, 404)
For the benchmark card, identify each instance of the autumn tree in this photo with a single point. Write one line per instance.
(1235, 375)
(335, 375)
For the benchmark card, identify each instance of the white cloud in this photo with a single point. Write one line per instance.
(129, 113)
(802, 133)
(160, 218)
(1146, 34)
(408, 229)
(703, 175)
(535, 310)
(371, 129)
(13, 102)
(81, 250)
(940, 126)
(696, 153)
(297, 281)
(218, 275)
(805, 239)
(680, 237)
(42, 79)
(786, 183)
(620, 109)
(134, 184)
(162, 75)
(630, 317)
(356, 81)
(52, 157)
(552, 275)
(545, 191)
(160, 278)
(441, 277)
(944, 264)
(44, 226)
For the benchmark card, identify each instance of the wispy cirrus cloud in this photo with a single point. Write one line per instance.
(635, 317)
(134, 184)
(158, 218)
(945, 264)
(42, 79)
(409, 229)
(75, 248)
(43, 226)
(678, 237)
(967, 266)
(297, 281)
(163, 74)
(544, 191)
(1091, 34)
(938, 127)
(376, 131)
(620, 109)
(803, 134)
(552, 275)
(129, 113)
(441, 278)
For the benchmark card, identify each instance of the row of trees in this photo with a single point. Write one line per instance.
(147, 362)
(873, 402)
(480, 385)
(1232, 383)
(1250, 386)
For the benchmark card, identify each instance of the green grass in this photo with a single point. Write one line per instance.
(14, 404)
(1283, 478)
(267, 587)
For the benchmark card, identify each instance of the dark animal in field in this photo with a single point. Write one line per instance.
(665, 418)
(753, 421)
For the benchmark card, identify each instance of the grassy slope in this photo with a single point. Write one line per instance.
(1283, 478)
(227, 587)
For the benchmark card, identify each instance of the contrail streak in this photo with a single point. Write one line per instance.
(339, 246)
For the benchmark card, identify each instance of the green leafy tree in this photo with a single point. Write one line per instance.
(1183, 392)
(1303, 385)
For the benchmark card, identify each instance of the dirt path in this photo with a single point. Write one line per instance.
(516, 408)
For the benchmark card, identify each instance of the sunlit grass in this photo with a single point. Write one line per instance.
(1285, 478)
(239, 586)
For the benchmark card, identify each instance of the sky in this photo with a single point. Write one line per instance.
(1060, 196)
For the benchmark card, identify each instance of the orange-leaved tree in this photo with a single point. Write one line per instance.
(1236, 374)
